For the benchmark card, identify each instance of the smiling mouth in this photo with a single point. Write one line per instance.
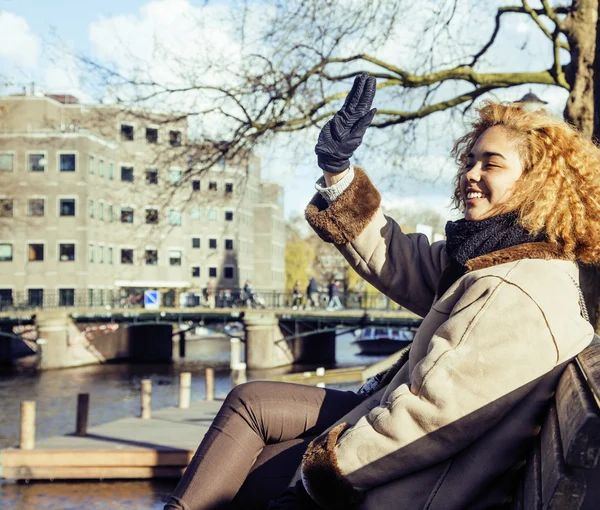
(472, 195)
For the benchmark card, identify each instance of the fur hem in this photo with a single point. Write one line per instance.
(347, 217)
(546, 251)
(322, 477)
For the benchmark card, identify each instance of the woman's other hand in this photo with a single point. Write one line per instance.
(294, 498)
(343, 134)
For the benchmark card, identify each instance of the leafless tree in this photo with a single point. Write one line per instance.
(298, 64)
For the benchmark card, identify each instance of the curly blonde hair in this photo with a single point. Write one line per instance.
(558, 192)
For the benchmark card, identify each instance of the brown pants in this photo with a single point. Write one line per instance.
(255, 444)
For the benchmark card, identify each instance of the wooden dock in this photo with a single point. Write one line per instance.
(160, 446)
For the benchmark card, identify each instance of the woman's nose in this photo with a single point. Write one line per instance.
(473, 173)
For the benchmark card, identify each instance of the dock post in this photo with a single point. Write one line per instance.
(238, 374)
(185, 386)
(83, 408)
(210, 384)
(27, 430)
(146, 399)
(236, 352)
(182, 344)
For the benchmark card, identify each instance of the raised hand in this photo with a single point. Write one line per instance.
(343, 134)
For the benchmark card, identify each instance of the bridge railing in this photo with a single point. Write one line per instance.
(231, 298)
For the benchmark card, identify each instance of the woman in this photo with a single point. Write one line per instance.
(448, 425)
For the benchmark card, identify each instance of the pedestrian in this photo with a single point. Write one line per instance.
(334, 296)
(248, 293)
(312, 294)
(447, 426)
(211, 290)
(296, 296)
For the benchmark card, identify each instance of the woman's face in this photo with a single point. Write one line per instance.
(492, 169)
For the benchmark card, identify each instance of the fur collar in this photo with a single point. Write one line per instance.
(541, 250)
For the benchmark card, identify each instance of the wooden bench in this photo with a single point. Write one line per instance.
(563, 470)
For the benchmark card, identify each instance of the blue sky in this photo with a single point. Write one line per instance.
(92, 28)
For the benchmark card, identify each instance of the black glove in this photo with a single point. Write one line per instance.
(342, 135)
(294, 498)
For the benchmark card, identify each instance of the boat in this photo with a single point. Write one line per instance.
(379, 340)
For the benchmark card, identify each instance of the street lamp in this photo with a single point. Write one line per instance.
(531, 102)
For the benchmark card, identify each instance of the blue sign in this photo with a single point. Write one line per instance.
(151, 299)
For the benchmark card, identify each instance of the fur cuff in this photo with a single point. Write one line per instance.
(346, 218)
(322, 477)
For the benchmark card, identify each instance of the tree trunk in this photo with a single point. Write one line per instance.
(583, 34)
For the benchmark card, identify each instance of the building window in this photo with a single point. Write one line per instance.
(101, 167)
(195, 271)
(229, 244)
(67, 207)
(151, 176)
(126, 256)
(228, 215)
(6, 207)
(36, 162)
(35, 297)
(174, 218)
(36, 252)
(110, 255)
(91, 253)
(91, 165)
(175, 176)
(67, 163)
(175, 138)
(90, 297)
(174, 257)
(212, 243)
(126, 215)
(212, 186)
(212, 215)
(111, 171)
(66, 252)
(101, 211)
(195, 185)
(127, 173)
(126, 133)
(221, 162)
(196, 213)
(66, 297)
(195, 242)
(91, 208)
(6, 252)
(229, 187)
(7, 162)
(228, 272)
(100, 254)
(111, 214)
(152, 216)
(152, 135)
(151, 257)
(35, 207)
(212, 272)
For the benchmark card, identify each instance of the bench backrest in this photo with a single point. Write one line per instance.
(563, 470)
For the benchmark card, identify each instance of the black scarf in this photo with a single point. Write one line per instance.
(466, 240)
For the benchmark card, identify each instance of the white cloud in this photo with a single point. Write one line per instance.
(62, 75)
(18, 45)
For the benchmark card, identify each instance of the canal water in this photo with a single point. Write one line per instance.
(114, 393)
